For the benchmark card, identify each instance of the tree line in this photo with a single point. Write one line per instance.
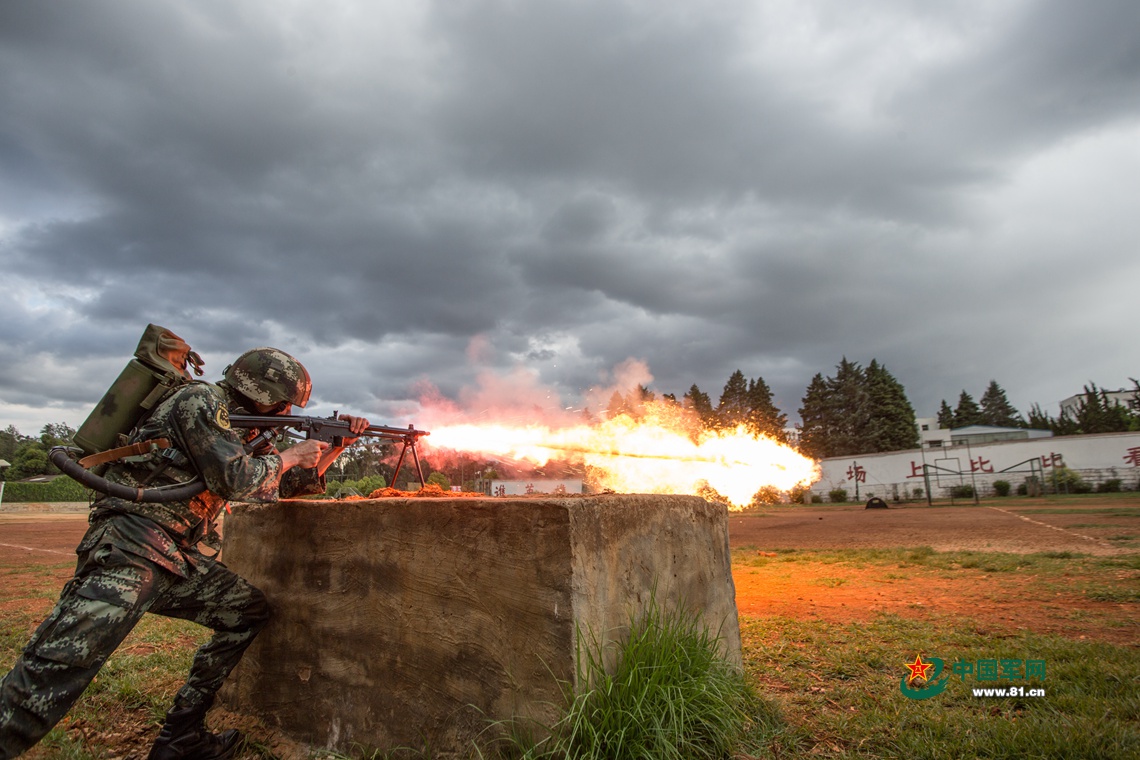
(28, 455)
(859, 410)
(865, 410)
(1094, 412)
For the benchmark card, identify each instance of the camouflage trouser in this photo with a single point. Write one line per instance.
(97, 609)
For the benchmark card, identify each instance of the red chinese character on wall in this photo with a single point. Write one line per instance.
(981, 465)
(1053, 459)
(857, 473)
(916, 469)
(1133, 456)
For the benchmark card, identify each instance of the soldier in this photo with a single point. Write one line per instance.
(147, 557)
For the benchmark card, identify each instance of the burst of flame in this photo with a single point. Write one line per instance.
(660, 452)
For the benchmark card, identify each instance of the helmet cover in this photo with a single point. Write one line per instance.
(269, 376)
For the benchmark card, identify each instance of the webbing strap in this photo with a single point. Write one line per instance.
(135, 449)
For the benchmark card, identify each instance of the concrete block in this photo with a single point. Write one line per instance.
(415, 622)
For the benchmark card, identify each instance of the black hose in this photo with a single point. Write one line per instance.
(60, 456)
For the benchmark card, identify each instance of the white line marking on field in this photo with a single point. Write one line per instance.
(34, 549)
(1054, 527)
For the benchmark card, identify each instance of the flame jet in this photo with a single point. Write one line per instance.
(662, 450)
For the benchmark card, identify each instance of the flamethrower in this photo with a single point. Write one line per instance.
(331, 430)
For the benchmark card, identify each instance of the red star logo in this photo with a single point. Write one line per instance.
(918, 668)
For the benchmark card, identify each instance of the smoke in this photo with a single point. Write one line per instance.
(624, 379)
(518, 396)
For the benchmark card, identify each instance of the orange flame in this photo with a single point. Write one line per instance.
(661, 452)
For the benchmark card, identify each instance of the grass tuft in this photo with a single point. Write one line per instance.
(670, 695)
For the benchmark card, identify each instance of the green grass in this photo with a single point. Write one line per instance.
(917, 557)
(670, 695)
(836, 689)
(136, 686)
(808, 689)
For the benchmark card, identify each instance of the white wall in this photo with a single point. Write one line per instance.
(524, 487)
(895, 475)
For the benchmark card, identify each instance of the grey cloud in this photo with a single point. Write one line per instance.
(577, 183)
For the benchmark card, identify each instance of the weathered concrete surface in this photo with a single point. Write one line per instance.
(413, 622)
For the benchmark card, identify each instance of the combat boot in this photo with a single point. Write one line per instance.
(184, 736)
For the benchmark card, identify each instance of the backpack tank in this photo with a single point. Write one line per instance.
(159, 367)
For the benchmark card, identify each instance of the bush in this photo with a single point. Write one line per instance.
(60, 489)
(816, 499)
(439, 479)
(1001, 487)
(363, 486)
(837, 494)
(1064, 480)
(768, 495)
(671, 695)
(1031, 486)
(963, 491)
(1112, 485)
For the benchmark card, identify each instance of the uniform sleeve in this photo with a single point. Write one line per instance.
(202, 420)
(300, 481)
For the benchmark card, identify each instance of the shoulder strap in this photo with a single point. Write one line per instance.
(135, 449)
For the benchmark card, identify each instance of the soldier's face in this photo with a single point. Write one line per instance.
(275, 409)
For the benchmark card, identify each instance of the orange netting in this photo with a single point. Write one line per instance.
(431, 490)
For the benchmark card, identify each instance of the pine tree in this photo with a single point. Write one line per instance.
(892, 425)
(733, 407)
(996, 409)
(945, 416)
(850, 409)
(856, 412)
(1065, 424)
(815, 419)
(637, 400)
(617, 406)
(10, 440)
(967, 412)
(763, 416)
(1039, 419)
(699, 402)
(1096, 414)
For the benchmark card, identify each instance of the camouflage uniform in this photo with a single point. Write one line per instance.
(138, 558)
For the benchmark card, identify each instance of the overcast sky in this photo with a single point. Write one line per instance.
(543, 198)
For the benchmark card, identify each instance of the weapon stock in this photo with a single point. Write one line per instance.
(333, 431)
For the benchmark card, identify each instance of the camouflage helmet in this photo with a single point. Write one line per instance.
(269, 376)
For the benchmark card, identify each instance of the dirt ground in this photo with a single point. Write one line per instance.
(841, 592)
(999, 602)
(767, 583)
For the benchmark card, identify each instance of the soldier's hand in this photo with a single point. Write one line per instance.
(304, 454)
(356, 424)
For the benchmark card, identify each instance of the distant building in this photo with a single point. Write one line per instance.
(976, 434)
(930, 436)
(933, 437)
(1126, 398)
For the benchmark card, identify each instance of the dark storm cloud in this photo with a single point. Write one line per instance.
(764, 186)
(664, 106)
(1060, 68)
